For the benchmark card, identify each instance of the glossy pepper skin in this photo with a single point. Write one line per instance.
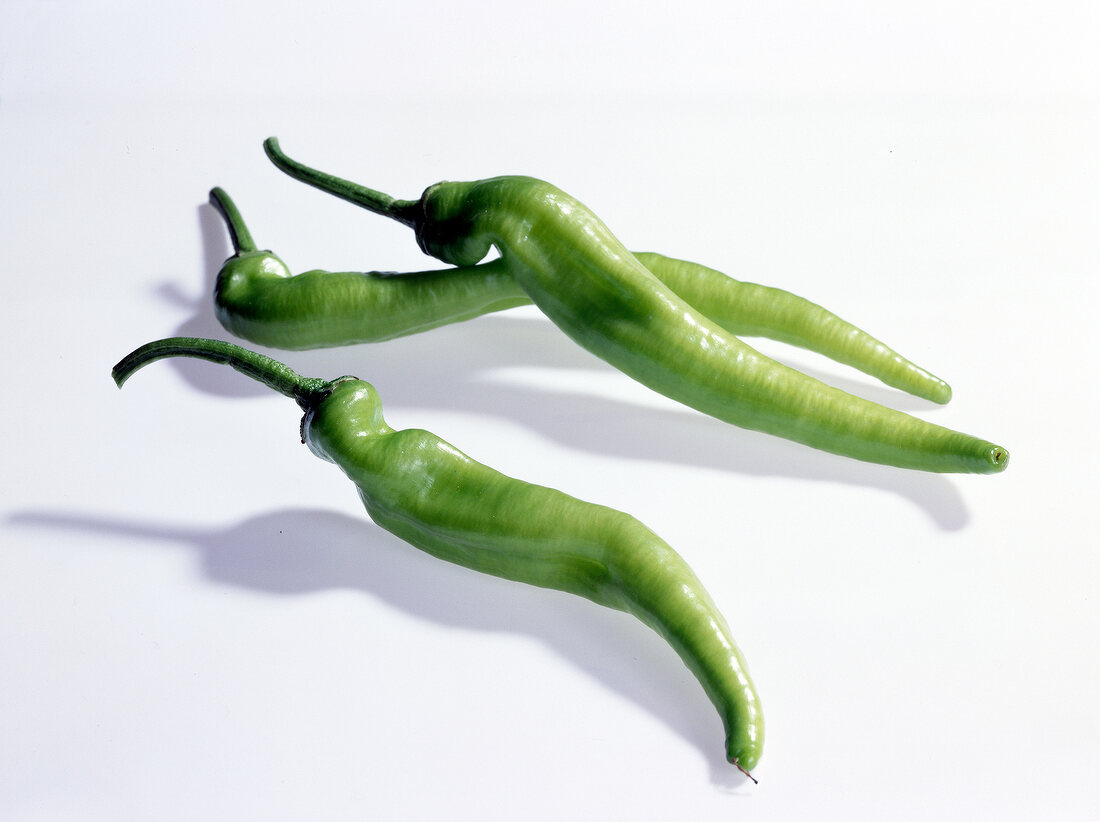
(747, 309)
(432, 495)
(575, 270)
(257, 298)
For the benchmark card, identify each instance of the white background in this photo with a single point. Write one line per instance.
(197, 621)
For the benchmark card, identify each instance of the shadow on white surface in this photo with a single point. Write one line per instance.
(302, 551)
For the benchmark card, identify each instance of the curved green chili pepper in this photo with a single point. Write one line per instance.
(751, 310)
(430, 494)
(575, 270)
(257, 298)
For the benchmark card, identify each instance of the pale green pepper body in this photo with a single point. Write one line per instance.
(432, 495)
(579, 274)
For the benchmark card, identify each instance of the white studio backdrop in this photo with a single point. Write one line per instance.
(198, 620)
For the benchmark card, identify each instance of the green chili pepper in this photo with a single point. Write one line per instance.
(430, 494)
(257, 298)
(751, 310)
(575, 270)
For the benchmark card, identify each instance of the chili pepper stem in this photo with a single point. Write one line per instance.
(307, 391)
(737, 765)
(404, 211)
(238, 231)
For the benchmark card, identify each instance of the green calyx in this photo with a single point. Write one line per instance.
(440, 217)
(247, 260)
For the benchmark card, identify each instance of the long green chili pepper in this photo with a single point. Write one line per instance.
(430, 494)
(257, 298)
(574, 269)
(751, 310)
